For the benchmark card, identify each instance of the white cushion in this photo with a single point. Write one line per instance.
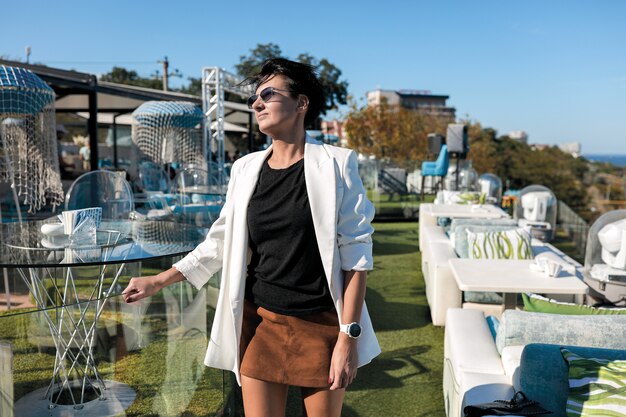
(511, 357)
(441, 289)
(435, 234)
(458, 197)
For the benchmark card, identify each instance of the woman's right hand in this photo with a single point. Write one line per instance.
(141, 287)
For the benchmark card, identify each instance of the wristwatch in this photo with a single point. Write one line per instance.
(353, 330)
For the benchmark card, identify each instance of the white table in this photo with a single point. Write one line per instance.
(429, 213)
(512, 277)
(484, 211)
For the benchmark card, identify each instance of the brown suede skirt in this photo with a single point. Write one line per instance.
(288, 350)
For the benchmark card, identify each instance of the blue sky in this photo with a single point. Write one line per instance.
(556, 69)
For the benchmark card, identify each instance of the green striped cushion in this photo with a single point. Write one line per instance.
(502, 244)
(540, 304)
(597, 387)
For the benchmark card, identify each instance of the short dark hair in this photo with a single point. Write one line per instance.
(302, 80)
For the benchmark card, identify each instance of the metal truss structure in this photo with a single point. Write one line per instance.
(215, 83)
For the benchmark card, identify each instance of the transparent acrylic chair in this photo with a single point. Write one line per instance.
(106, 189)
(152, 177)
(201, 196)
(155, 198)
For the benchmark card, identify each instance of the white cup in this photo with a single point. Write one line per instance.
(542, 263)
(553, 268)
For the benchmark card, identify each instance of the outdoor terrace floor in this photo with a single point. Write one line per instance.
(406, 379)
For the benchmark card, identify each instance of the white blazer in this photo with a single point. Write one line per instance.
(341, 219)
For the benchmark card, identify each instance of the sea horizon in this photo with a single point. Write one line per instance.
(617, 160)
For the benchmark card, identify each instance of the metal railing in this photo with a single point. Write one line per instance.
(391, 184)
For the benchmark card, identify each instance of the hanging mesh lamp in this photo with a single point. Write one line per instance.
(169, 132)
(28, 152)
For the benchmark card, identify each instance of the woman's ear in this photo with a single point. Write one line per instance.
(303, 103)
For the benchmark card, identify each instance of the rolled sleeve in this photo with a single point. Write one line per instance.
(354, 229)
(206, 259)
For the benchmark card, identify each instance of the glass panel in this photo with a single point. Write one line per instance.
(391, 190)
(149, 355)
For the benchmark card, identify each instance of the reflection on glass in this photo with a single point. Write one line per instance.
(6, 379)
(149, 355)
(78, 347)
(25, 245)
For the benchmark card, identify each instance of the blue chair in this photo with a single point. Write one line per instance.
(438, 168)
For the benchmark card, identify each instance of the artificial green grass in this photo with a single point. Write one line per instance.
(406, 379)
(398, 207)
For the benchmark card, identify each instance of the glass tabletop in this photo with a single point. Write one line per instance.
(203, 189)
(120, 241)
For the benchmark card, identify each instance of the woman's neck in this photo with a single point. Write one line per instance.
(286, 152)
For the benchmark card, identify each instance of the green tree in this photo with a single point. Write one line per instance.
(194, 87)
(121, 75)
(483, 148)
(520, 165)
(335, 89)
(251, 64)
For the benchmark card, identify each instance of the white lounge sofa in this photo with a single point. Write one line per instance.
(437, 249)
(479, 368)
(430, 213)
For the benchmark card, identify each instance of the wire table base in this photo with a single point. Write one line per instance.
(72, 321)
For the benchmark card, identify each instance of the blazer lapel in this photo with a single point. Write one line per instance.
(320, 177)
(249, 176)
(245, 184)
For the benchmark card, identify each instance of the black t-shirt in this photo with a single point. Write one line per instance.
(285, 274)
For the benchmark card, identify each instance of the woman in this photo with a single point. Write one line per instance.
(293, 242)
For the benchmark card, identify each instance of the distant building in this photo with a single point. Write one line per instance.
(572, 148)
(420, 100)
(519, 135)
(332, 127)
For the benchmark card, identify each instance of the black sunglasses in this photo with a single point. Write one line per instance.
(265, 95)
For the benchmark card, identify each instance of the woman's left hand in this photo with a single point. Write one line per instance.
(343, 364)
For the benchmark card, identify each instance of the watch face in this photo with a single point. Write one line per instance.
(354, 330)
